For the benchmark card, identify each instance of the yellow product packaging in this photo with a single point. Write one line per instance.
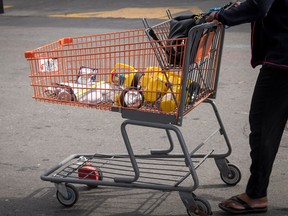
(170, 101)
(122, 75)
(154, 84)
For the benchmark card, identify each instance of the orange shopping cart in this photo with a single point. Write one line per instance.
(132, 73)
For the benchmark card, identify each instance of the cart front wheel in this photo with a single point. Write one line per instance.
(203, 207)
(234, 177)
(72, 196)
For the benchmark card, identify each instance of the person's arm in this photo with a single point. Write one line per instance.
(248, 11)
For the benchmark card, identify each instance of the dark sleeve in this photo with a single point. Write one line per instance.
(248, 11)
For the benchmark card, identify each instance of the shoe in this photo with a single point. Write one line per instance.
(247, 208)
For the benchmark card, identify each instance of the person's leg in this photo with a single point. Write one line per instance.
(268, 115)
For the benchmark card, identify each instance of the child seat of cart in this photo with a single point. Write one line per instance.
(172, 41)
(179, 28)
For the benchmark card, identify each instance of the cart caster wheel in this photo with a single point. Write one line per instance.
(100, 178)
(72, 198)
(235, 176)
(203, 208)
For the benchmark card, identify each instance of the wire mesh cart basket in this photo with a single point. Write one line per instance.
(152, 83)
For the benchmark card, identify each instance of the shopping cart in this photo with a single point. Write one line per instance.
(132, 73)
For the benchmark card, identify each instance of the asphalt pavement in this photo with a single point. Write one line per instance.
(35, 136)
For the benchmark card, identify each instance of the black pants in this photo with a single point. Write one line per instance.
(268, 117)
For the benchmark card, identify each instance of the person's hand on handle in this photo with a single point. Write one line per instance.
(211, 16)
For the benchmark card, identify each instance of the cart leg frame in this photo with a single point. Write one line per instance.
(192, 203)
(167, 128)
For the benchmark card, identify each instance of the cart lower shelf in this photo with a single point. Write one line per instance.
(159, 170)
(165, 173)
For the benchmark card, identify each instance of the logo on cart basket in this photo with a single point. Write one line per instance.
(48, 65)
